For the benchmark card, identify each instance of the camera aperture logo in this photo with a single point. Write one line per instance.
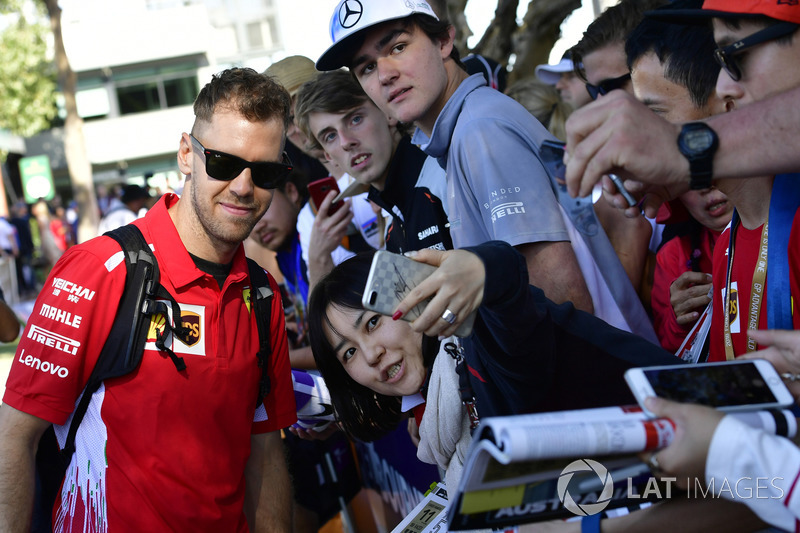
(582, 468)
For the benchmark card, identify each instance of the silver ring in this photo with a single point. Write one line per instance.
(449, 316)
(653, 463)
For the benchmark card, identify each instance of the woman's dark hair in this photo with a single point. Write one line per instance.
(363, 413)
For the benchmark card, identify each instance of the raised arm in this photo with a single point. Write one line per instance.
(621, 135)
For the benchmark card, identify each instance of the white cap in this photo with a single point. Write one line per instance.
(352, 16)
(550, 74)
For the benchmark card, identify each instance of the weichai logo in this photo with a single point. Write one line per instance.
(192, 322)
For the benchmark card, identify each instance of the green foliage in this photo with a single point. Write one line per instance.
(28, 86)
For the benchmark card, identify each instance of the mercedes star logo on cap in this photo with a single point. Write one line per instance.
(350, 13)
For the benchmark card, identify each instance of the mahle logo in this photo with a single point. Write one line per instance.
(579, 467)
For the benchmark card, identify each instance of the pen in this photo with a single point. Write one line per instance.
(622, 190)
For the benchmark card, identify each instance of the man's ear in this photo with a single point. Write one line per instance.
(185, 152)
(291, 192)
(446, 45)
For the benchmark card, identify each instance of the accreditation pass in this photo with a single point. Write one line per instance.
(429, 516)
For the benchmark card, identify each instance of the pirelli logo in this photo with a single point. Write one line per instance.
(53, 340)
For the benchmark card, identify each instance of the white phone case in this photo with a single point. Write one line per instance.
(697, 376)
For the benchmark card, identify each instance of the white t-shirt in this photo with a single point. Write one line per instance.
(364, 219)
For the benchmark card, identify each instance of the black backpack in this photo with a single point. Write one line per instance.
(124, 348)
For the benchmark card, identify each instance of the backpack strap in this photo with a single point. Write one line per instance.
(124, 347)
(261, 299)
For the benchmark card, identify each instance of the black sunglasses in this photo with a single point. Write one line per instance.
(225, 167)
(725, 55)
(606, 86)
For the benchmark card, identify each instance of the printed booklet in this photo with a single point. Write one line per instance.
(544, 466)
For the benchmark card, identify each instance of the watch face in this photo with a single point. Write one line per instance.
(698, 140)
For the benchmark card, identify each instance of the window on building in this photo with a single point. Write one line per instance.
(157, 94)
(138, 98)
(180, 91)
(255, 38)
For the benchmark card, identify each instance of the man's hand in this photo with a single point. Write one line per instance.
(617, 134)
(782, 349)
(326, 234)
(685, 458)
(329, 230)
(689, 296)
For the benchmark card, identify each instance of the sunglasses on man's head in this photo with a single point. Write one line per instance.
(725, 56)
(225, 167)
(606, 86)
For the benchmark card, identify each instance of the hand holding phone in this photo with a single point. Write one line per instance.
(552, 154)
(728, 386)
(391, 278)
(318, 190)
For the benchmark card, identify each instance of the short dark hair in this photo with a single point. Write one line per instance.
(254, 96)
(334, 91)
(434, 29)
(685, 51)
(612, 26)
(437, 30)
(363, 413)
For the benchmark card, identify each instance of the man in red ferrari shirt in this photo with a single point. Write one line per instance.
(163, 449)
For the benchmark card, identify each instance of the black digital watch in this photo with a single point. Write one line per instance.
(698, 143)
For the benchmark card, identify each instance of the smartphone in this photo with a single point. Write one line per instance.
(728, 386)
(552, 154)
(391, 277)
(319, 189)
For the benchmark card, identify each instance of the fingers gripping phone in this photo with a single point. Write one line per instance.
(728, 386)
(319, 189)
(552, 153)
(391, 277)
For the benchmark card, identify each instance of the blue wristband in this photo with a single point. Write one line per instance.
(591, 523)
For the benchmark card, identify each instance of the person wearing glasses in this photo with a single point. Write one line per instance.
(599, 61)
(758, 51)
(674, 73)
(403, 56)
(168, 449)
(748, 271)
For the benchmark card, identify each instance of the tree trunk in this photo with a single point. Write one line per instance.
(540, 29)
(496, 41)
(78, 164)
(455, 12)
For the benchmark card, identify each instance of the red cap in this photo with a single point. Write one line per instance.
(788, 10)
(785, 10)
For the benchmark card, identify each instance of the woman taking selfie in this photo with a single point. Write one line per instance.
(525, 354)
